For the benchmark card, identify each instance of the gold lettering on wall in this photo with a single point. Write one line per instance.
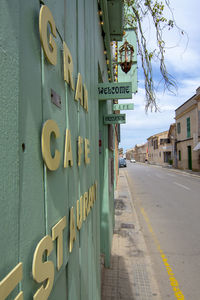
(85, 203)
(80, 149)
(85, 98)
(95, 191)
(68, 157)
(87, 151)
(79, 212)
(68, 66)
(50, 50)
(57, 233)
(50, 127)
(8, 284)
(90, 199)
(72, 237)
(19, 296)
(79, 90)
(91, 196)
(49, 47)
(43, 271)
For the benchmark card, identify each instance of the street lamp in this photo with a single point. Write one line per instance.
(126, 56)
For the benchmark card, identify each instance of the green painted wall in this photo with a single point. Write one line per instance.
(34, 199)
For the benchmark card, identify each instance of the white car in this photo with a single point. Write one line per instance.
(133, 160)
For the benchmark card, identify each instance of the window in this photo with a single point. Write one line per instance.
(164, 141)
(179, 155)
(155, 144)
(178, 127)
(188, 127)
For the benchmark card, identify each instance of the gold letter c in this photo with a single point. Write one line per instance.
(50, 127)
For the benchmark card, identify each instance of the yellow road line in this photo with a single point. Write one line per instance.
(173, 281)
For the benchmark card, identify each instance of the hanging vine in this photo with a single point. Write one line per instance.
(135, 13)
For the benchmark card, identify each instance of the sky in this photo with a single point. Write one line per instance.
(183, 63)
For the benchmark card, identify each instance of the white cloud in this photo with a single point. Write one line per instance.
(180, 60)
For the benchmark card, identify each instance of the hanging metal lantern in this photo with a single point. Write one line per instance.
(126, 56)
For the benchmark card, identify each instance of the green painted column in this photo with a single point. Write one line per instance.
(107, 191)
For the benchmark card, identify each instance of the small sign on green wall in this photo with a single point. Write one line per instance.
(127, 106)
(115, 119)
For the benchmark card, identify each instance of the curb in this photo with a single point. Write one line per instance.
(130, 276)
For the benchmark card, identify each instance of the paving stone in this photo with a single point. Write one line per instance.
(130, 276)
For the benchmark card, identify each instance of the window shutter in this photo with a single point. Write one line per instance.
(188, 127)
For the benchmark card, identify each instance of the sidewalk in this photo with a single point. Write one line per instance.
(130, 276)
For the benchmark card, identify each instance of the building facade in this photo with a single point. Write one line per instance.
(159, 149)
(173, 141)
(141, 152)
(56, 181)
(130, 154)
(188, 133)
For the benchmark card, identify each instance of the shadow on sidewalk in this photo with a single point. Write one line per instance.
(116, 283)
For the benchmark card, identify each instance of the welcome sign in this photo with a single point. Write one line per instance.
(115, 90)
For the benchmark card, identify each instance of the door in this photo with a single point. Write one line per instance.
(189, 158)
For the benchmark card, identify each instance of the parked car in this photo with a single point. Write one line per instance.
(122, 162)
(133, 160)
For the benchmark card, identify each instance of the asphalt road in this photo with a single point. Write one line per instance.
(167, 203)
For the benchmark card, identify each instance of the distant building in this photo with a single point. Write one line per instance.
(121, 151)
(141, 152)
(188, 133)
(130, 154)
(160, 148)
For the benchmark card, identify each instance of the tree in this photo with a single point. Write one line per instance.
(135, 13)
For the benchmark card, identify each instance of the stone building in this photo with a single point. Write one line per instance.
(159, 148)
(173, 141)
(188, 133)
(130, 153)
(141, 152)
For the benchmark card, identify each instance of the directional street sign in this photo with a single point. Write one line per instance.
(115, 119)
(115, 90)
(127, 106)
